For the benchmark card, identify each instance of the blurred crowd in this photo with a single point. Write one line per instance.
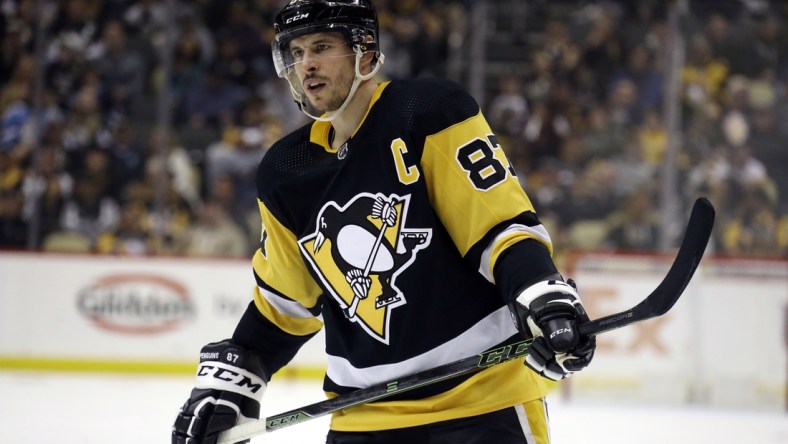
(586, 124)
(135, 126)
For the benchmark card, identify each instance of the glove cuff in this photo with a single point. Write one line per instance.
(528, 295)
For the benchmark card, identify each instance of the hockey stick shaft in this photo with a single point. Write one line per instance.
(655, 304)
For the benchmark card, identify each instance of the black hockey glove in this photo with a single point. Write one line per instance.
(549, 312)
(230, 385)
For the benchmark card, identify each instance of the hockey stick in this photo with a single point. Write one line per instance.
(655, 304)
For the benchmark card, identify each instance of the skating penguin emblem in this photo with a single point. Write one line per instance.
(359, 250)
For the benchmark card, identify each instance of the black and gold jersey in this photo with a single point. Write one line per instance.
(390, 243)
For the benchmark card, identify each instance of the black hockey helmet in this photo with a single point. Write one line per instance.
(355, 19)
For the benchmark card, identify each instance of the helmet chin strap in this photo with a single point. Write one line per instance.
(330, 116)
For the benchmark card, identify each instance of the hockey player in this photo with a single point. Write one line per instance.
(395, 222)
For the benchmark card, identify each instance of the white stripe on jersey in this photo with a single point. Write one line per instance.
(490, 331)
(538, 231)
(523, 418)
(285, 306)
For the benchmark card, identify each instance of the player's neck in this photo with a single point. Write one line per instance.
(346, 123)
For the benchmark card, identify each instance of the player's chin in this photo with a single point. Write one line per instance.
(317, 105)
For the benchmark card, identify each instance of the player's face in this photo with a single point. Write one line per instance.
(324, 65)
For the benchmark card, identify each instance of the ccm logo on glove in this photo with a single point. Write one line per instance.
(218, 375)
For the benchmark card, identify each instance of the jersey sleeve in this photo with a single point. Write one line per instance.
(475, 191)
(287, 302)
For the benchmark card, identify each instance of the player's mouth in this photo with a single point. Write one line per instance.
(313, 86)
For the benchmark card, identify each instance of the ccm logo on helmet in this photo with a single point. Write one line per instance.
(297, 17)
(230, 376)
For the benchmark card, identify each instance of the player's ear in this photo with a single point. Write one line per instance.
(369, 55)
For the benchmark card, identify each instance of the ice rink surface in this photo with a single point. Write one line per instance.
(43, 408)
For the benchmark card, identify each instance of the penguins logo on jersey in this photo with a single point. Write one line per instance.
(358, 250)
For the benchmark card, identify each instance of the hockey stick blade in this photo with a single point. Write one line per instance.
(655, 304)
(691, 250)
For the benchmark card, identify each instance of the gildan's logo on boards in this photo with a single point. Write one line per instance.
(135, 303)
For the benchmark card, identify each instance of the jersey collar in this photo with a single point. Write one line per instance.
(320, 130)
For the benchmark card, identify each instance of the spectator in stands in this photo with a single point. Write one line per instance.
(508, 109)
(147, 18)
(241, 35)
(11, 174)
(237, 155)
(213, 233)
(191, 27)
(127, 155)
(710, 175)
(122, 69)
(724, 43)
(232, 65)
(88, 212)
(247, 217)
(75, 17)
(748, 172)
(131, 236)
(214, 101)
(16, 109)
(414, 49)
(642, 23)
(591, 194)
(603, 51)
(632, 170)
(768, 146)
(640, 70)
(95, 167)
(46, 190)
(170, 213)
(13, 228)
(82, 125)
(544, 131)
(768, 48)
(540, 80)
(242, 146)
(703, 76)
(66, 64)
(653, 137)
(601, 138)
(622, 103)
(188, 69)
(166, 157)
(756, 227)
(734, 125)
(287, 113)
(551, 183)
(18, 27)
(15, 115)
(636, 227)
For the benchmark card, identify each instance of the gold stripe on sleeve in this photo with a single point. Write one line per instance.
(278, 263)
